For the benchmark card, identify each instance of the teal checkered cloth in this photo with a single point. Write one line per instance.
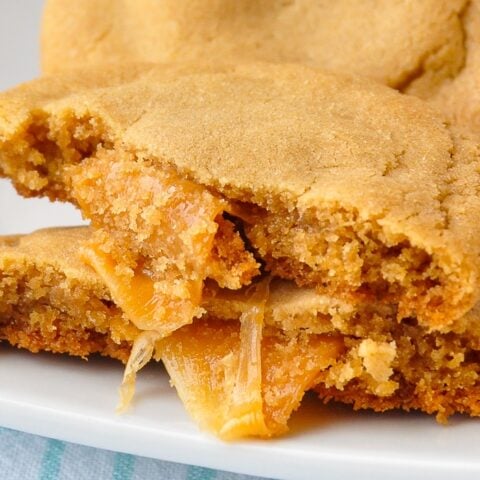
(29, 457)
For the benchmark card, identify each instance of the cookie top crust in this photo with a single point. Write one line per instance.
(51, 248)
(263, 132)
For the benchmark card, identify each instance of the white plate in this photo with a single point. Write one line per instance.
(73, 400)
(70, 399)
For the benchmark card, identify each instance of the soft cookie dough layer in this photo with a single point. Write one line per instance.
(335, 183)
(50, 300)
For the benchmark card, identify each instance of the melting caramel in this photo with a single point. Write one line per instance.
(245, 413)
(239, 380)
(153, 241)
(156, 240)
(154, 237)
(146, 307)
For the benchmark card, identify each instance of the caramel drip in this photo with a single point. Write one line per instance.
(229, 397)
(142, 351)
(245, 415)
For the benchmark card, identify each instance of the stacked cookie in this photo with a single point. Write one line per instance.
(262, 228)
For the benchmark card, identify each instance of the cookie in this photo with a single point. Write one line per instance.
(459, 97)
(395, 43)
(333, 182)
(428, 48)
(51, 301)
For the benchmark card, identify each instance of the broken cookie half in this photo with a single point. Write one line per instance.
(243, 367)
(199, 173)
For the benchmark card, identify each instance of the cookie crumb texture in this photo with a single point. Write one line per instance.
(339, 184)
(51, 301)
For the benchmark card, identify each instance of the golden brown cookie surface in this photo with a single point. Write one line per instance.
(459, 97)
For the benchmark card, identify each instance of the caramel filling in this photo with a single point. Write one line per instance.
(146, 307)
(239, 381)
(157, 239)
(245, 413)
(232, 398)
